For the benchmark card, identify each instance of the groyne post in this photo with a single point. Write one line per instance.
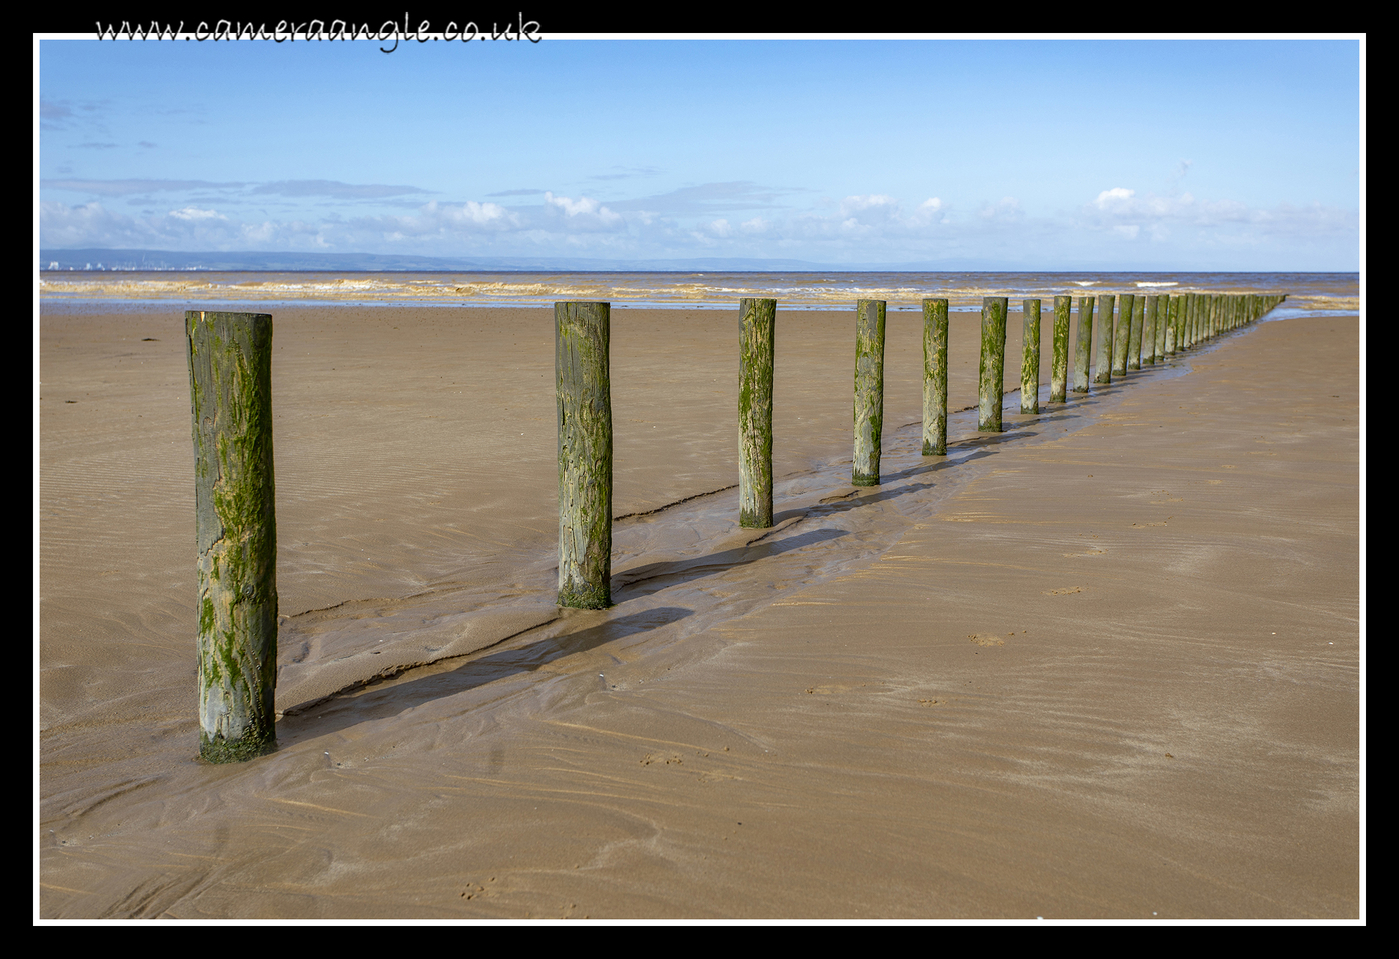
(235, 528)
(934, 377)
(582, 375)
(1059, 362)
(1122, 337)
(1153, 311)
(756, 328)
(869, 391)
(1030, 359)
(993, 363)
(1166, 326)
(1102, 368)
(1134, 338)
(1083, 344)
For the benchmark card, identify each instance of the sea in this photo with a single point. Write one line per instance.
(122, 290)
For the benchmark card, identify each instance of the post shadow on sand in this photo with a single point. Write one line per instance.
(626, 583)
(363, 704)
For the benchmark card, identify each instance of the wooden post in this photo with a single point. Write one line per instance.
(235, 529)
(1122, 337)
(1153, 311)
(1083, 344)
(934, 377)
(1030, 359)
(1059, 363)
(869, 391)
(582, 375)
(1102, 368)
(1166, 328)
(756, 326)
(993, 363)
(1134, 337)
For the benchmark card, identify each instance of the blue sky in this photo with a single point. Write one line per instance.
(1012, 154)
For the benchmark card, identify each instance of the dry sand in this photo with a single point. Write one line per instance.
(1105, 664)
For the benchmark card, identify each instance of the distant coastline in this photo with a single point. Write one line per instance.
(246, 261)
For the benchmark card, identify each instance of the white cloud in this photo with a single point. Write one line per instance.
(194, 213)
(1110, 198)
(584, 209)
(1123, 212)
(1007, 208)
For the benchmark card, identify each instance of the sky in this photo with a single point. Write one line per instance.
(1024, 154)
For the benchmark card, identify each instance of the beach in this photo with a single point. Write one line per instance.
(1104, 664)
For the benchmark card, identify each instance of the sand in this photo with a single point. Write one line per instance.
(1105, 664)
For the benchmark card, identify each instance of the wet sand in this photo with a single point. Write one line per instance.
(1104, 664)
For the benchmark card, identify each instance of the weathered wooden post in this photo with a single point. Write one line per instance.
(1153, 310)
(1122, 337)
(1030, 359)
(756, 325)
(235, 529)
(1134, 337)
(993, 363)
(1102, 368)
(582, 374)
(1083, 344)
(1166, 326)
(869, 391)
(1059, 362)
(934, 377)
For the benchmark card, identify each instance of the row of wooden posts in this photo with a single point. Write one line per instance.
(230, 365)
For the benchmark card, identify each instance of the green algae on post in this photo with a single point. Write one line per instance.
(993, 363)
(582, 376)
(756, 325)
(1102, 368)
(235, 528)
(1153, 309)
(1121, 338)
(934, 377)
(1059, 363)
(1166, 328)
(869, 391)
(1030, 359)
(1134, 336)
(1083, 344)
